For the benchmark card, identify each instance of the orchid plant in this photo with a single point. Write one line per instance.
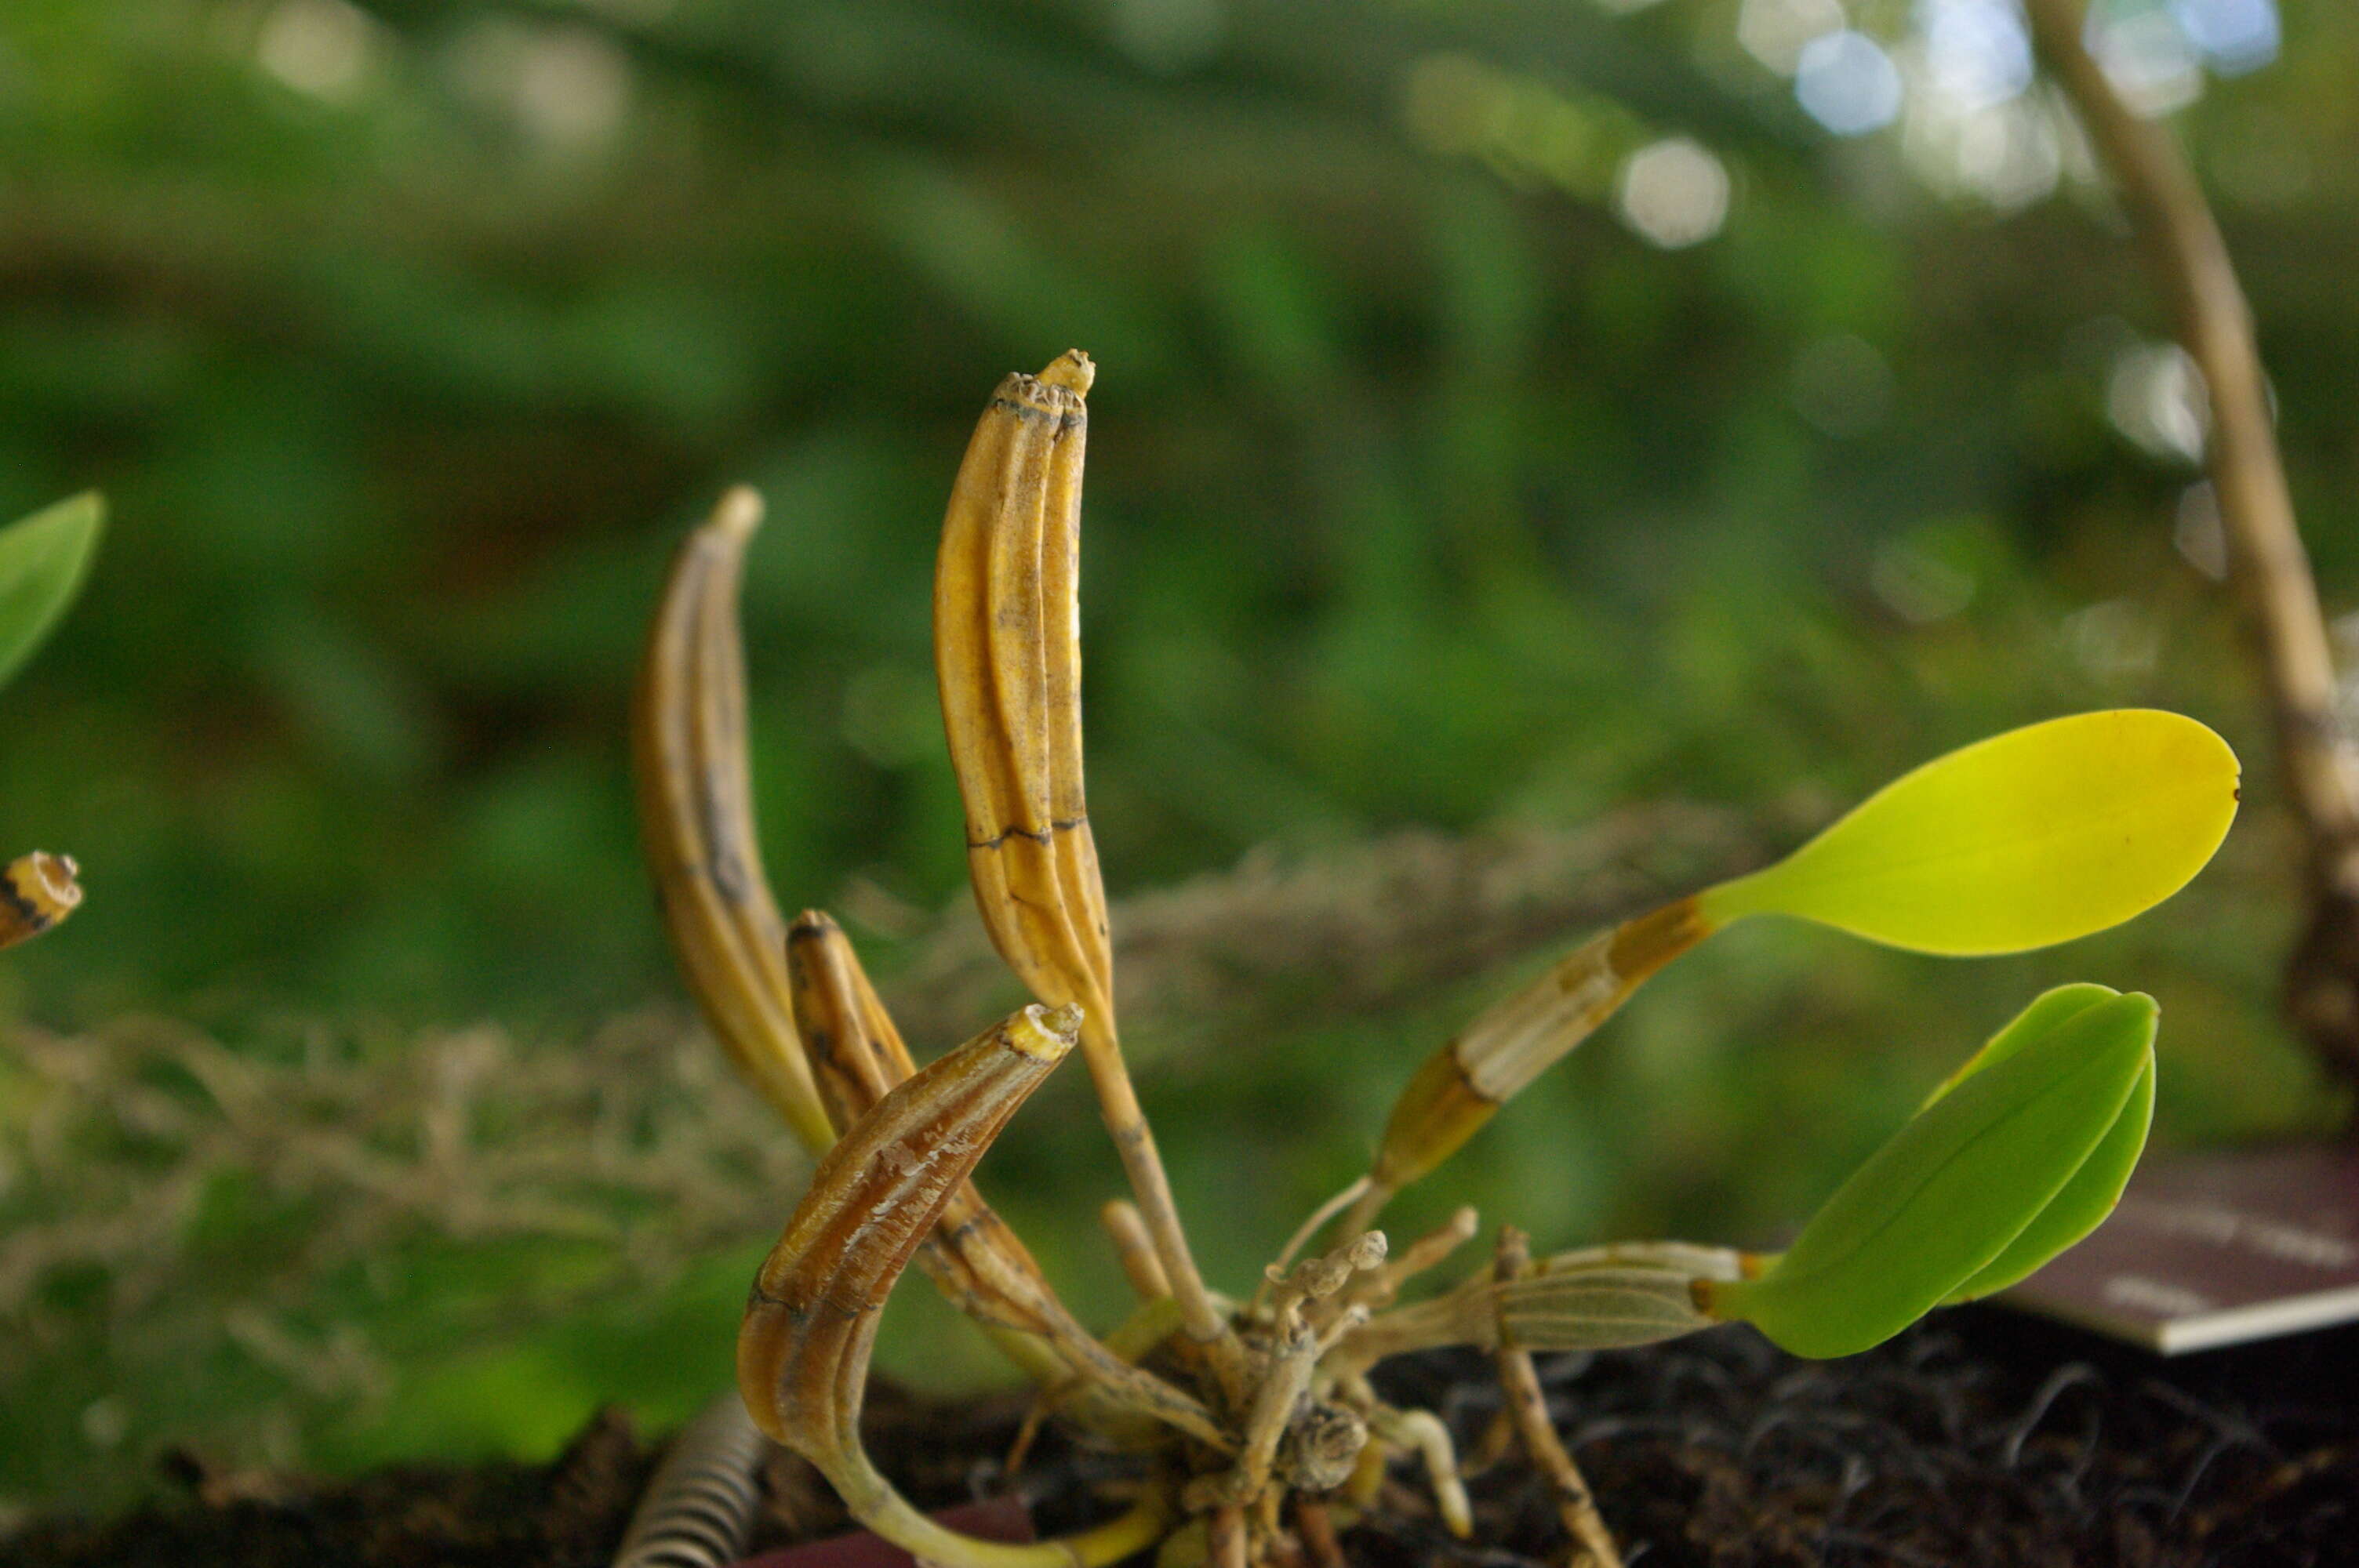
(1257, 1429)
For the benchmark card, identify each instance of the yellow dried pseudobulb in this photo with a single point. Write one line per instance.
(1007, 656)
(696, 815)
(803, 1350)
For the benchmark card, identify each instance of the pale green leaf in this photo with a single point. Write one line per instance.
(2048, 1009)
(1941, 1202)
(2081, 1207)
(2097, 1186)
(42, 561)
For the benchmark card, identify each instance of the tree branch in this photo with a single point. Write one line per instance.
(2268, 563)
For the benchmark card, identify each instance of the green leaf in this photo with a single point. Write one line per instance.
(2081, 1207)
(2034, 836)
(2048, 1011)
(2097, 1186)
(42, 560)
(1938, 1207)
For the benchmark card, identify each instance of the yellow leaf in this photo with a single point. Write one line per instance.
(2034, 836)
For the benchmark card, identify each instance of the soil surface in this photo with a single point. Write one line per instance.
(1980, 1438)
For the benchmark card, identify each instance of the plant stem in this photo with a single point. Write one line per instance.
(1134, 1249)
(884, 1511)
(1226, 1540)
(1202, 1320)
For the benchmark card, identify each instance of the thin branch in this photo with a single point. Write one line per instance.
(2184, 249)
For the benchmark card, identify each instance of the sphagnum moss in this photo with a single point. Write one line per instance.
(2031, 838)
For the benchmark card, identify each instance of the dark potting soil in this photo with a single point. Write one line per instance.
(1979, 1438)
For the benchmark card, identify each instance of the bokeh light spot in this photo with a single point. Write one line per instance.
(2196, 531)
(1917, 584)
(2155, 396)
(1846, 83)
(2148, 58)
(1976, 51)
(564, 87)
(1673, 192)
(2115, 641)
(316, 46)
(2235, 36)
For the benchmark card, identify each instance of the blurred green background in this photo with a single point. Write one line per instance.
(1510, 413)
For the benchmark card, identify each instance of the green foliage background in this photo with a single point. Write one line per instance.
(1423, 492)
